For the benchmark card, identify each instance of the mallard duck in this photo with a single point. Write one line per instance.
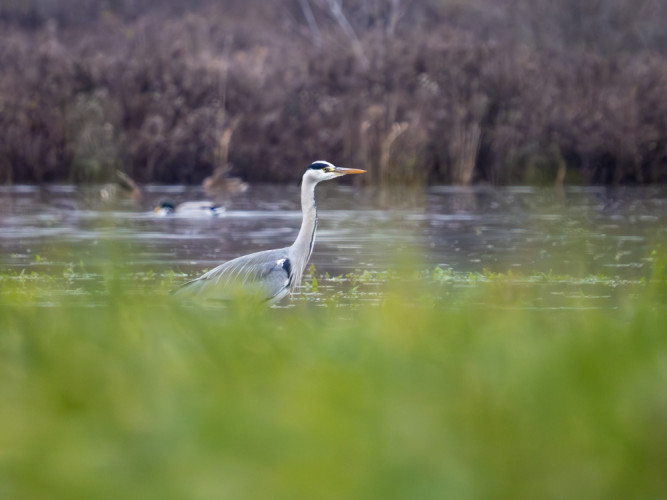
(188, 209)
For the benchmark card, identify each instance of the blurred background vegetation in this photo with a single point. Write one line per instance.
(499, 91)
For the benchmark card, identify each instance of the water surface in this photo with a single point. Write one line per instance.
(576, 232)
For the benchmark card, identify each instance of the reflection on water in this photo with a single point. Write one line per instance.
(578, 232)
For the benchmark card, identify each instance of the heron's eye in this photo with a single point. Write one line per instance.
(328, 169)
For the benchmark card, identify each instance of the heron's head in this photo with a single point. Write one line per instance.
(323, 171)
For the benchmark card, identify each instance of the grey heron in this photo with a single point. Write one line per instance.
(188, 208)
(271, 274)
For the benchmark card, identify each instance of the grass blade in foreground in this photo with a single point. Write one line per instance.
(143, 397)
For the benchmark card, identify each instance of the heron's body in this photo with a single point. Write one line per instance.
(267, 275)
(271, 274)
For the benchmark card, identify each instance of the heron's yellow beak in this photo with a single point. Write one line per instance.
(345, 171)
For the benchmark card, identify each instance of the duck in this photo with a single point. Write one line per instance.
(220, 182)
(123, 187)
(188, 209)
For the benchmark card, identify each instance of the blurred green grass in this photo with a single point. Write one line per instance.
(141, 396)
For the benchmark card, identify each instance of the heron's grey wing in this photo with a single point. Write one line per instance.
(266, 274)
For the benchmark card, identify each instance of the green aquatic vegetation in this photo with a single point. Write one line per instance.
(310, 283)
(372, 276)
(439, 283)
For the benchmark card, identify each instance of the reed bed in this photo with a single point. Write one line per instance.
(439, 91)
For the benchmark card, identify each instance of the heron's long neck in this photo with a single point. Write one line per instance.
(303, 246)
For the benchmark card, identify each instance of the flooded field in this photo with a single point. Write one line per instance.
(573, 234)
